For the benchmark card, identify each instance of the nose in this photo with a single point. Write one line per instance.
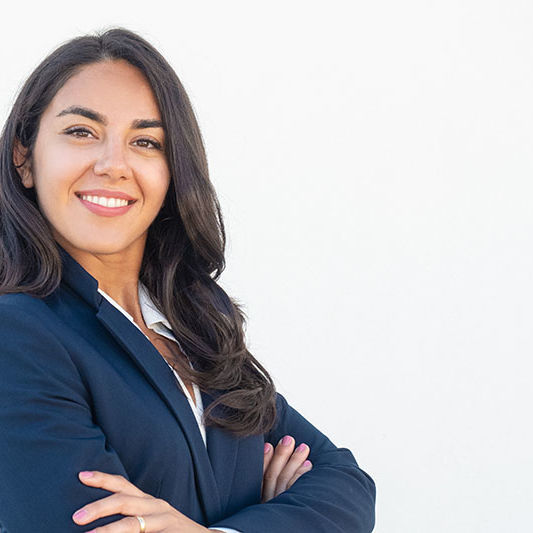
(113, 161)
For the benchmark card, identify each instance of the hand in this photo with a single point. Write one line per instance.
(159, 515)
(280, 469)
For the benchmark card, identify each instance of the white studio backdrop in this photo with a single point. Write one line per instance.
(373, 162)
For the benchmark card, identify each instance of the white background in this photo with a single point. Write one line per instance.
(373, 161)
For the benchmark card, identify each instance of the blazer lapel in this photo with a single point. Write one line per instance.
(222, 449)
(163, 380)
(161, 377)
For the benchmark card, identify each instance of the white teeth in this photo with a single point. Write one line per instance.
(106, 202)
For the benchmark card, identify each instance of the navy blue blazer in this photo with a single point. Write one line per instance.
(81, 388)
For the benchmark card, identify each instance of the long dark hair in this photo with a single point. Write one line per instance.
(184, 254)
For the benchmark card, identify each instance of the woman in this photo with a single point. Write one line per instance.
(121, 355)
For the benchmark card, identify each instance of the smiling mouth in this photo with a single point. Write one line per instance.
(105, 201)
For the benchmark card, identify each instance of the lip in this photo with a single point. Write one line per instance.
(106, 211)
(105, 193)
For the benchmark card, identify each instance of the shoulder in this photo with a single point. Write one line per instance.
(32, 338)
(21, 301)
(24, 311)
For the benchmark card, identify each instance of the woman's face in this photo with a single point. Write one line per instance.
(101, 141)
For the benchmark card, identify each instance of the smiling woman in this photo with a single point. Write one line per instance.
(121, 354)
(94, 141)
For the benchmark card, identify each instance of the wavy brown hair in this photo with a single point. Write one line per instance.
(184, 254)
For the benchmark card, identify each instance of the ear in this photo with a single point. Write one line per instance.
(22, 164)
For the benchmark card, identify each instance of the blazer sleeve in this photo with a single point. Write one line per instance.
(335, 496)
(47, 434)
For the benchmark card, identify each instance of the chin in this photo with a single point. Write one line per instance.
(94, 246)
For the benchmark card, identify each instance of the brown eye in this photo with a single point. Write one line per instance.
(75, 131)
(155, 145)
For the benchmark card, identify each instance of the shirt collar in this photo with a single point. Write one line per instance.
(150, 312)
(151, 315)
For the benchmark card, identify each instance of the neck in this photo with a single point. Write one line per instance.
(117, 274)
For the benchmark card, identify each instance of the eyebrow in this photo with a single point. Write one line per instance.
(98, 117)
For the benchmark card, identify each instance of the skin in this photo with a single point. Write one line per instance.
(108, 157)
(116, 156)
(282, 466)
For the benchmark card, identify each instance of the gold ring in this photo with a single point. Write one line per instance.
(142, 523)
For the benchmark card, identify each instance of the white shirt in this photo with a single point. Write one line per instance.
(157, 322)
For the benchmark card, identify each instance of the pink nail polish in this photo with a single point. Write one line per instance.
(301, 447)
(307, 463)
(267, 447)
(286, 440)
(80, 514)
(86, 474)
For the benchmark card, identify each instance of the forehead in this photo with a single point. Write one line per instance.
(115, 89)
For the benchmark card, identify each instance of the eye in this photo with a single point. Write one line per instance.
(155, 145)
(75, 131)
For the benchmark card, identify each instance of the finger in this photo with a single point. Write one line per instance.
(296, 460)
(130, 524)
(306, 466)
(268, 454)
(282, 452)
(111, 482)
(118, 503)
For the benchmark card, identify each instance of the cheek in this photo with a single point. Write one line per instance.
(56, 174)
(159, 188)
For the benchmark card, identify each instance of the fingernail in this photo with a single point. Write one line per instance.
(307, 463)
(86, 474)
(80, 514)
(301, 448)
(267, 447)
(286, 440)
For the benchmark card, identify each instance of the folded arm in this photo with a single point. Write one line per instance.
(47, 434)
(335, 496)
